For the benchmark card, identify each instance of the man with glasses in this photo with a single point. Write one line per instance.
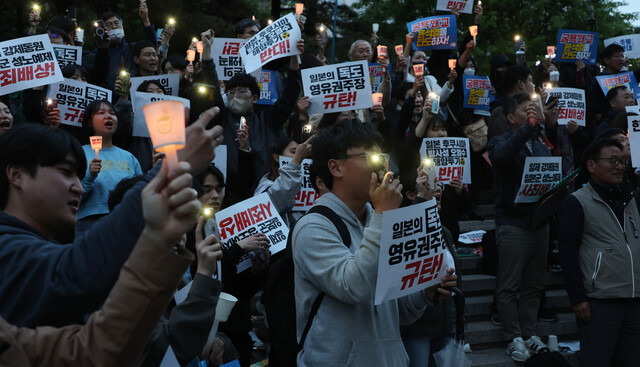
(120, 52)
(348, 329)
(523, 250)
(263, 123)
(598, 229)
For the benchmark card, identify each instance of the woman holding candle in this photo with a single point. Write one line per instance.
(103, 174)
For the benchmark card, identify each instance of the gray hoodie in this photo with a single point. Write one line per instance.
(348, 329)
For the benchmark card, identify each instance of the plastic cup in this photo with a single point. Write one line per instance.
(224, 306)
(553, 343)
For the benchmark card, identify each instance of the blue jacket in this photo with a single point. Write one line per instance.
(46, 283)
(508, 153)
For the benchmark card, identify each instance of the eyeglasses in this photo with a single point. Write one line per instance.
(114, 24)
(241, 90)
(615, 161)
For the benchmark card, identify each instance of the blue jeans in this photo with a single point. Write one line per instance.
(419, 350)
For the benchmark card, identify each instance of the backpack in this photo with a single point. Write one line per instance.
(278, 297)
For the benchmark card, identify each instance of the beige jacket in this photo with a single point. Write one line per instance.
(113, 336)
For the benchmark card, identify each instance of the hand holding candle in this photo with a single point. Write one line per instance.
(199, 47)
(96, 144)
(375, 27)
(399, 50)
(36, 12)
(452, 64)
(166, 124)
(299, 9)
(551, 50)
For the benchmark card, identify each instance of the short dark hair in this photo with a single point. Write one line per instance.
(70, 69)
(178, 62)
(593, 150)
(244, 23)
(60, 32)
(110, 14)
(621, 121)
(63, 23)
(89, 112)
(210, 170)
(244, 80)
(610, 133)
(608, 51)
(511, 103)
(613, 92)
(143, 86)
(333, 142)
(31, 146)
(116, 195)
(137, 48)
(513, 75)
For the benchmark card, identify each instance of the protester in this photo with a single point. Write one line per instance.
(598, 243)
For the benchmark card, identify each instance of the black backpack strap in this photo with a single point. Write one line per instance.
(346, 239)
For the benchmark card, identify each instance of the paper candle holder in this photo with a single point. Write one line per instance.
(199, 47)
(377, 99)
(165, 122)
(299, 8)
(191, 55)
(96, 144)
(473, 30)
(452, 63)
(399, 50)
(375, 27)
(382, 51)
(551, 50)
(418, 70)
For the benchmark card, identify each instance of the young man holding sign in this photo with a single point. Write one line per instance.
(347, 325)
(523, 250)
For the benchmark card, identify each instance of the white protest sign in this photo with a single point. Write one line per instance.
(630, 43)
(338, 87)
(273, 42)
(633, 109)
(452, 157)
(465, 6)
(26, 63)
(413, 252)
(220, 160)
(225, 53)
(471, 238)
(634, 138)
(539, 176)
(248, 217)
(68, 55)
(73, 96)
(571, 105)
(307, 195)
(170, 82)
(143, 99)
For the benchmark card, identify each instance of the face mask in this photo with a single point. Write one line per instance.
(470, 71)
(116, 35)
(239, 106)
(554, 76)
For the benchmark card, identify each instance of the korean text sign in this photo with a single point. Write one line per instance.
(73, 97)
(143, 99)
(434, 33)
(26, 63)
(413, 253)
(268, 88)
(465, 6)
(338, 87)
(170, 82)
(577, 45)
(630, 43)
(571, 105)
(627, 79)
(539, 176)
(225, 53)
(68, 55)
(477, 92)
(634, 135)
(451, 156)
(376, 74)
(248, 217)
(305, 198)
(273, 42)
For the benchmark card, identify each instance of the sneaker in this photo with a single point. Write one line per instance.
(535, 345)
(495, 319)
(545, 315)
(517, 350)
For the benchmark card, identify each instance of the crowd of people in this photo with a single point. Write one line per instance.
(91, 248)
